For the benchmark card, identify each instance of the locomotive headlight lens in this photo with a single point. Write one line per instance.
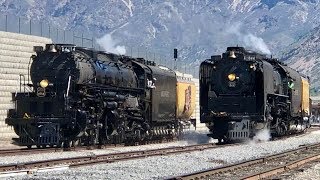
(231, 77)
(44, 83)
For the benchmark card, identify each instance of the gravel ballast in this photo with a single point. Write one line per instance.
(309, 174)
(160, 167)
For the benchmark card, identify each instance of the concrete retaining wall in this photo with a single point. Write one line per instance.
(196, 113)
(15, 52)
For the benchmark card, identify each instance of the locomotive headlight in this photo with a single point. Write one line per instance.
(253, 67)
(44, 83)
(231, 77)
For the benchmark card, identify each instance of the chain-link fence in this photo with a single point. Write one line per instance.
(10, 23)
(164, 59)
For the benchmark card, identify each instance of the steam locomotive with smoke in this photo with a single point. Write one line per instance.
(243, 92)
(83, 96)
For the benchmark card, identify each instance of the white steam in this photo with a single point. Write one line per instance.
(249, 40)
(262, 135)
(197, 137)
(111, 45)
(30, 2)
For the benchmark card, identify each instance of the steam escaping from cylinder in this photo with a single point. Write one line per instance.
(197, 137)
(249, 40)
(110, 45)
(262, 135)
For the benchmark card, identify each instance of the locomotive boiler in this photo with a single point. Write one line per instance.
(243, 92)
(83, 96)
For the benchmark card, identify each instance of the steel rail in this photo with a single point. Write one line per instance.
(215, 173)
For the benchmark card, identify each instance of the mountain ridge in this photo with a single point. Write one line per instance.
(197, 28)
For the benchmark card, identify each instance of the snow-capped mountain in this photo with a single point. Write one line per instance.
(198, 28)
(304, 56)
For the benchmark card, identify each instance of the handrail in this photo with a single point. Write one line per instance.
(24, 82)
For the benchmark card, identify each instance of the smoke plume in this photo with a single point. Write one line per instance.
(110, 45)
(249, 40)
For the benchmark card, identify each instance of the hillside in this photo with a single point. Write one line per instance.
(198, 28)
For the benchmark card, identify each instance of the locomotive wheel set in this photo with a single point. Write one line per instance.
(243, 92)
(84, 97)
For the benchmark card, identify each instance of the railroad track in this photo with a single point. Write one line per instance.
(10, 169)
(28, 151)
(93, 159)
(260, 168)
(24, 151)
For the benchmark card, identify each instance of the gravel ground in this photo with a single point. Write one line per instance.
(165, 166)
(309, 174)
(8, 144)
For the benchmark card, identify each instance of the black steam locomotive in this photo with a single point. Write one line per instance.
(90, 97)
(242, 92)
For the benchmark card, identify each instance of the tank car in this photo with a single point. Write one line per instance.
(83, 96)
(243, 92)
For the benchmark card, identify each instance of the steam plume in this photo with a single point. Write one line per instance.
(110, 45)
(197, 137)
(30, 2)
(248, 39)
(262, 135)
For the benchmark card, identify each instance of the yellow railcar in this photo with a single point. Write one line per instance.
(186, 96)
(305, 99)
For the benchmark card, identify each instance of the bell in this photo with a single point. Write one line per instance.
(52, 48)
(232, 55)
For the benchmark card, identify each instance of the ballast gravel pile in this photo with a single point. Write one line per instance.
(161, 167)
